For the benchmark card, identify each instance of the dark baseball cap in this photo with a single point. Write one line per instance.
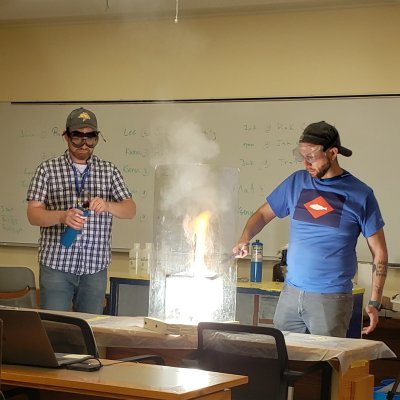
(325, 135)
(81, 118)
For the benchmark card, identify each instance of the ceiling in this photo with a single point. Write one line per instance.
(41, 10)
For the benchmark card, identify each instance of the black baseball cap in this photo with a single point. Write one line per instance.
(81, 118)
(326, 135)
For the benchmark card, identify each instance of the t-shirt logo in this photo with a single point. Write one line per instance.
(319, 207)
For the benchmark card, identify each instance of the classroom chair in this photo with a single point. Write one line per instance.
(392, 392)
(69, 334)
(17, 287)
(258, 352)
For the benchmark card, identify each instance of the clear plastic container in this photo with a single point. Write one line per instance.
(193, 273)
(145, 261)
(134, 260)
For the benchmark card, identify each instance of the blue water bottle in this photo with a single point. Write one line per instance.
(256, 261)
(70, 234)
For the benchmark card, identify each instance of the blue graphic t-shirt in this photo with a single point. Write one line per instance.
(327, 217)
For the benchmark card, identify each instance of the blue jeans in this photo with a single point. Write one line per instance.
(63, 291)
(326, 314)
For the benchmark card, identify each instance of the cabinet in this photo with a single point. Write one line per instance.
(255, 302)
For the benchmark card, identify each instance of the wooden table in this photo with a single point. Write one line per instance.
(124, 381)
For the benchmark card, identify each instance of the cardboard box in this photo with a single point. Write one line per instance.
(156, 325)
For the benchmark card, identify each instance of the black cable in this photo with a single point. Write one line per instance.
(84, 365)
(116, 362)
(97, 359)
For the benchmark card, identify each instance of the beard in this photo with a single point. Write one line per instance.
(320, 173)
(323, 170)
(81, 155)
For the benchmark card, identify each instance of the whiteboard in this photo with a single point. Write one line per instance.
(256, 136)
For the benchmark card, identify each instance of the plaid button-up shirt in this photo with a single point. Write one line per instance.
(54, 185)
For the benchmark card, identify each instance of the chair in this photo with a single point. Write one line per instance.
(17, 287)
(392, 392)
(258, 352)
(69, 334)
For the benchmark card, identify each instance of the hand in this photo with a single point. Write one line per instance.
(74, 218)
(373, 315)
(241, 249)
(98, 205)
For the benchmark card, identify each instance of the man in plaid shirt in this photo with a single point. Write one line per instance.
(82, 192)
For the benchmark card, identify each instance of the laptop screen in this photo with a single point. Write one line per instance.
(26, 342)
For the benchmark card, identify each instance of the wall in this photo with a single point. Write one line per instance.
(308, 53)
(278, 54)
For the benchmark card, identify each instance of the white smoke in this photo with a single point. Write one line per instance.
(185, 143)
(191, 182)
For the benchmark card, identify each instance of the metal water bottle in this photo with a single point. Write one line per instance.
(69, 235)
(256, 261)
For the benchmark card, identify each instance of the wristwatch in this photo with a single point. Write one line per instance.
(375, 304)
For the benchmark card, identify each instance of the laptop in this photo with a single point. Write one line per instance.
(25, 341)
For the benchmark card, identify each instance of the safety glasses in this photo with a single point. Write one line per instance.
(78, 139)
(308, 154)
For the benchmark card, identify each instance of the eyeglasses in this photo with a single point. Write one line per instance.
(311, 157)
(78, 139)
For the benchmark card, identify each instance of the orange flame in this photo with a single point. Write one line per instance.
(200, 235)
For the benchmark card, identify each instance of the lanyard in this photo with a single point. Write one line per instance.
(79, 185)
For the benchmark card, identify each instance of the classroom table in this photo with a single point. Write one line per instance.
(129, 332)
(127, 381)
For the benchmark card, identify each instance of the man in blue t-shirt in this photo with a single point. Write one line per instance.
(328, 209)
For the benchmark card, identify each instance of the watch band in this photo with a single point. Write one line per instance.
(375, 304)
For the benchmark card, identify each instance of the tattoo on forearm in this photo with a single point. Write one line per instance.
(380, 269)
(378, 290)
